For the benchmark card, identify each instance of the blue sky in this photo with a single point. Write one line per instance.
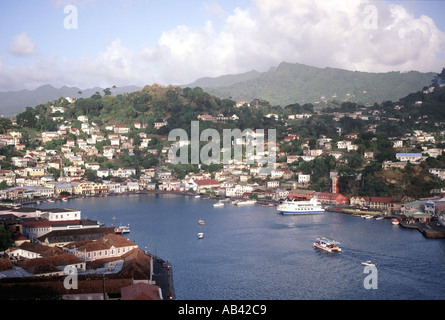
(139, 42)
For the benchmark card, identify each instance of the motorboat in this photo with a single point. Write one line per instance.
(200, 235)
(327, 244)
(369, 264)
(395, 221)
(201, 222)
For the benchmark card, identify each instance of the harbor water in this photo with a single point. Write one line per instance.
(255, 253)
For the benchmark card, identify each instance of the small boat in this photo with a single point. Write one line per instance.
(369, 263)
(244, 203)
(219, 204)
(269, 205)
(327, 244)
(379, 217)
(122, 230)
(367, 216)
(64, 199)
(201, 222)
(395, 221)
(51, 200)
(198, 196)
(200, 235)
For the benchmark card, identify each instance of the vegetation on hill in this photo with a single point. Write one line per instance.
(297, 83)
(377, 126)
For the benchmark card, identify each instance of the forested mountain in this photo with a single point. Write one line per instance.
(298, 83)
(377, 126)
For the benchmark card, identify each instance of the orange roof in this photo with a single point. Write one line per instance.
(140, 291)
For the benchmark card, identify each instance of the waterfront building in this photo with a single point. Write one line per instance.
(89, 188)
(415, 216)
(375, 203)
(108, 246)
(331, 198)
(35, 229)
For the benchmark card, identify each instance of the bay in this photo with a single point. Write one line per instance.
(254, 253)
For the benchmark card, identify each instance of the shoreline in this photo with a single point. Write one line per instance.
(429, 230)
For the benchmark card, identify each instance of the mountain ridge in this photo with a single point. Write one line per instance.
(15, 102)
(298, 83)
(285, 84)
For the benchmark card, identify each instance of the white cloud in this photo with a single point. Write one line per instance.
(319, 33)
(22, 45)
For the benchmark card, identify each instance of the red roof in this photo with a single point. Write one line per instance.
(207, 182)
(46, 223)
(140, 291)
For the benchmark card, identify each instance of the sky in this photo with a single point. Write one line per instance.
(89, 43)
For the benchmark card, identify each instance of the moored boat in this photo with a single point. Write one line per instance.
(244, 202)
(122, 229)
(313, 206)
(395, 221)
(327, 244)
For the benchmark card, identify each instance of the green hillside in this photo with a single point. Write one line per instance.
(297, 83)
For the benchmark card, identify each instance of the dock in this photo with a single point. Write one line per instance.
(430, 230)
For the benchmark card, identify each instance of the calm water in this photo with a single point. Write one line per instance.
(256, 254)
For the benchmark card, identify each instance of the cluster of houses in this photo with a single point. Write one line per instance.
(53, 244)
(32, 176)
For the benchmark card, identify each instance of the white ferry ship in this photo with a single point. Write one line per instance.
(313, 206)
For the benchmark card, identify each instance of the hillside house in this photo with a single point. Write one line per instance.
(412, 157)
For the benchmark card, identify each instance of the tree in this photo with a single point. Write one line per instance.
(5, 238)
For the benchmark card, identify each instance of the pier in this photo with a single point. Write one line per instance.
(430, 230)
